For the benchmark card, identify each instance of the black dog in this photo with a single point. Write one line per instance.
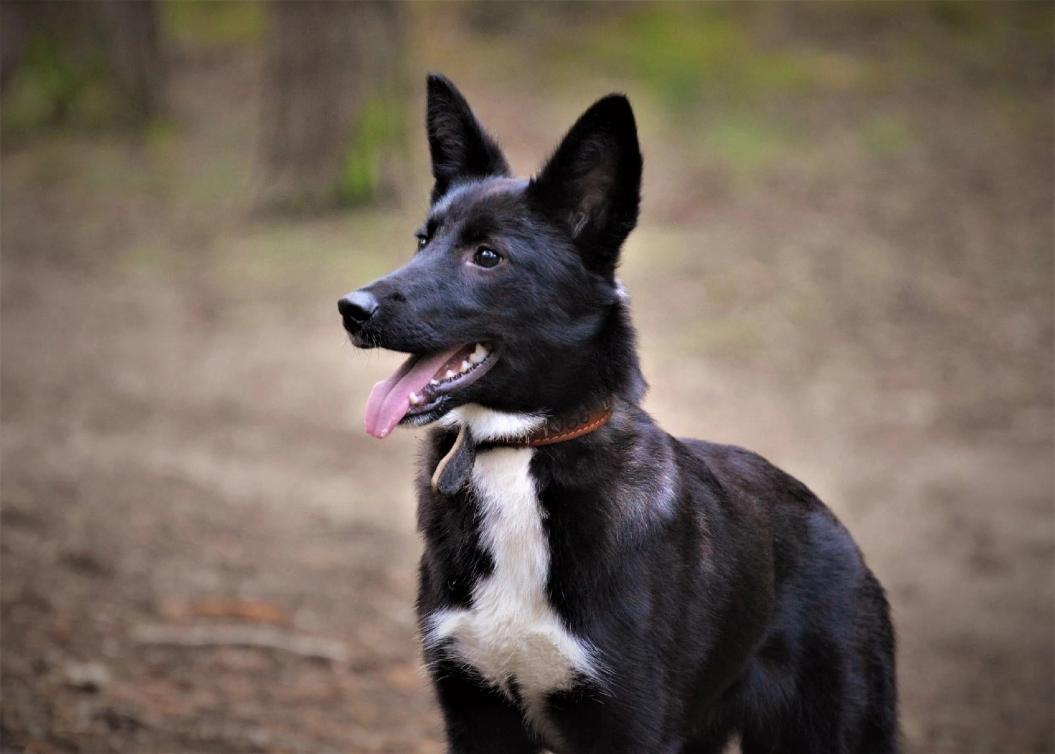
(590, 583)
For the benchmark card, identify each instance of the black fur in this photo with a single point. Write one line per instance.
(458, 144)
(723, 596)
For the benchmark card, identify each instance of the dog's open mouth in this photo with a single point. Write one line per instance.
(422, 382)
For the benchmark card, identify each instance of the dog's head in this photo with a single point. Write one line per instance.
(511, 300)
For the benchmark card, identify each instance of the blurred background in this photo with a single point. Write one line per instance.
(845, 262)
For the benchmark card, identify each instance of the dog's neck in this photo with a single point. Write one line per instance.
(480, 429)
(486, 424)
(497, 428)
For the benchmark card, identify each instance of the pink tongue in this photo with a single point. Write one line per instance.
(389, 401)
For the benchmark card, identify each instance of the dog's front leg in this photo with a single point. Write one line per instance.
(478, 718)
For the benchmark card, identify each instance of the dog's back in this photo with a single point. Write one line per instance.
(825, 664)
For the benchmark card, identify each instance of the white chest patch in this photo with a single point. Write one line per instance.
(512, 632)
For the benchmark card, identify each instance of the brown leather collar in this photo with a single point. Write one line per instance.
(454, 469)
(562, 429)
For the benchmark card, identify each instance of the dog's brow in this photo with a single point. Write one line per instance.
(479, 229)
(447, 199)
(503, 185)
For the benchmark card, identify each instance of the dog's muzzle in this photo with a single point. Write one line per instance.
(356, 309)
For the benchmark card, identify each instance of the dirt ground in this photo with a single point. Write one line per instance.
(185, 474)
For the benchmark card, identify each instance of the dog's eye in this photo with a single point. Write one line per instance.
(486, 257)
(423, 240)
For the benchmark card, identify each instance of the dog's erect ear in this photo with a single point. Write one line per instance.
(459, 146)
(592, 184)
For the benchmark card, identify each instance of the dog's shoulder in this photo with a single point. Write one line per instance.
(744, 473)
(802, 532)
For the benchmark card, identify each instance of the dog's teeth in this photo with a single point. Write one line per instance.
(479, 354)
(466, 366)
(434, 382)
(450, 373)
(415, 399)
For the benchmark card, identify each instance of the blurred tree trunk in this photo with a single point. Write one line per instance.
(333, 129)
(12, 42)
(133, 46)
(93, 63)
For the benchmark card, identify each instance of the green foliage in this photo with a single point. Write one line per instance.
(888, 136)
(994, 45)
(683, 52)
(57, 84)
(214, 24)
(379, 130)
(746, 144)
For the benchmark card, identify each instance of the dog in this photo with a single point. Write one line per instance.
(590, 583)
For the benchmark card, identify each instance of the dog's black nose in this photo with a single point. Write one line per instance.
(357, 307)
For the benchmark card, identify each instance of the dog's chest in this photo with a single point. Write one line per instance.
(511, 635)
